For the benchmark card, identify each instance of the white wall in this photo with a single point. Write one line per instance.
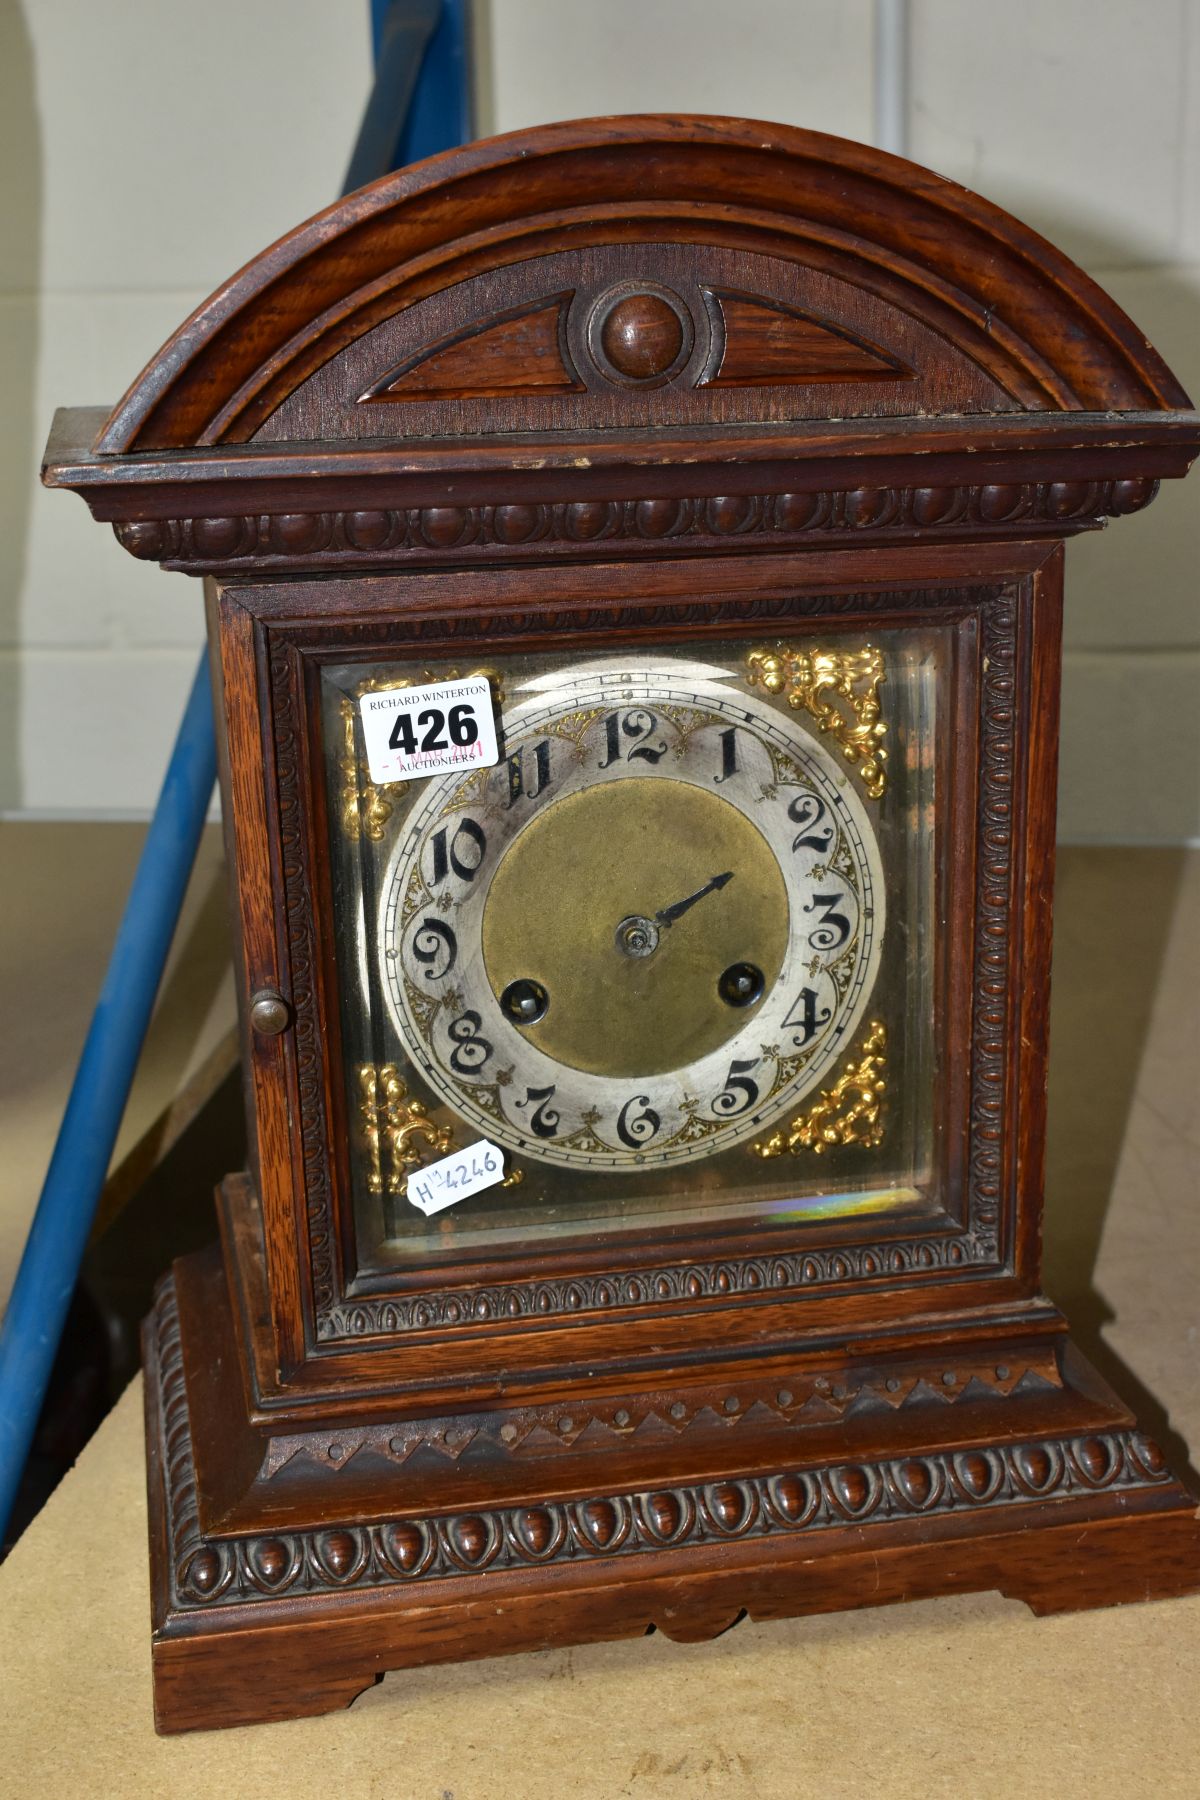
(150, 146)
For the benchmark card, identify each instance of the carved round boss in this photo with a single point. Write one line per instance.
(640, 336)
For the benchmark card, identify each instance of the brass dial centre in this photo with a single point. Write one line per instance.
(630, 850)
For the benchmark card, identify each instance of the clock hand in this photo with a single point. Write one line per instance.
(638, 936)
(669, 914)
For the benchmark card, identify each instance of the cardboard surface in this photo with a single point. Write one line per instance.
(950, 1697)
(60, 905)
(941, 1698)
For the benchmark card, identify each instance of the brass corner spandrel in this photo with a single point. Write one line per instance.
(839, 689)
(849, 1112)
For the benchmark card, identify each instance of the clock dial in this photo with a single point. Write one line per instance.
(644, 934)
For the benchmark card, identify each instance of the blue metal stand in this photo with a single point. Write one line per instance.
(420, 104)
(59, 1233)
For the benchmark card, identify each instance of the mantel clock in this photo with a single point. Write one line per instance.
(633, 560)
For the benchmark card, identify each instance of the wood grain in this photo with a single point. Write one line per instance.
(514, 353)
(652, 382)
(765, 340)
(283, 1624)
(1022, 305)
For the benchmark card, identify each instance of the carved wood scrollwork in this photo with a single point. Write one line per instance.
(805, 1404)
(993, 921)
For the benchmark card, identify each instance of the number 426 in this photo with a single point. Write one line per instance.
(462, 725)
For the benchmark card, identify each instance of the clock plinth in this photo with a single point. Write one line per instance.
(982, 1461)
(643, 1218)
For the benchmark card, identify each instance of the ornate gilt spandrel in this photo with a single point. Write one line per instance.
(398, 1134)
(850, 1111)
(365, 808)
(839, 689)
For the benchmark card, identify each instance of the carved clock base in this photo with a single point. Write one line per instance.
(1063, 1504)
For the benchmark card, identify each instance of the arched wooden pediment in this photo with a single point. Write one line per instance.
(628, 273)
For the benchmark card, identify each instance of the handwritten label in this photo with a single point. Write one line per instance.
(430, 730)
(465, 1172)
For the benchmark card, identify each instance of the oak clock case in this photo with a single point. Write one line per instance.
(648, 953)
(739, 462)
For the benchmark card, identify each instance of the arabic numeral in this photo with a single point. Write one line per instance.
(639, 1130)
(739, 1093)
(805, 1017)
(435, 943)
(834, 927)
(808, 813)
(518, 788)
(433, 718)
(471, 1050)
(612, 742)
(403, 736)
(468, 841)
(542, 1122)
(640, 725)
(464, 727)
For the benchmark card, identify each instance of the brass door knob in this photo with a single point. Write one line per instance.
(269, 1012)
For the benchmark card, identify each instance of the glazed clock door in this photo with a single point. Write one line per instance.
(673, 955)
